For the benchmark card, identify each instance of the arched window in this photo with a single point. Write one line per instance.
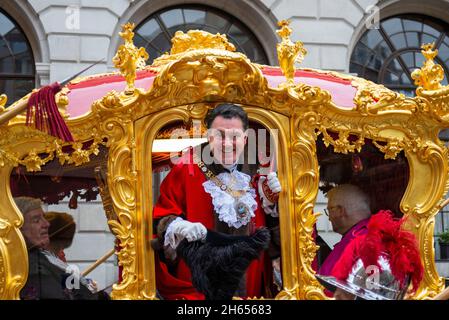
(389, 55)
(17, 68)
(156, 32)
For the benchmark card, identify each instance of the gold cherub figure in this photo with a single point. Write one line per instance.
(289, 52)
(129, 58)
(431, 74)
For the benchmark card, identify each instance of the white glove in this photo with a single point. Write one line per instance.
(274, 185)
(273, 182)
(180, 229)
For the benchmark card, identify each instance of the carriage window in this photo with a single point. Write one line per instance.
(156, 32)
(442, 227)
(389, 54)
(17, 70)
(215, 205)
(354, 186)
(442, 238)
(441, 234)
(70, 246)
(441, 243)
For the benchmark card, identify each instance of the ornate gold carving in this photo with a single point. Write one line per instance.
(289, 52)
(122, 229)
(374, 99)
(198, 39)
(128, 58)
(183, 43)
(5, 227)
(111, 99)
(105, 194)
(342, 144)
(429, 77)
(206, 75)
(3, 100)
(391, 149)
(3, 273)
(191, 132)
(306, 180)
(32, 160)
(13, 263)
(434, 103)
(121, 184)
(62, 100)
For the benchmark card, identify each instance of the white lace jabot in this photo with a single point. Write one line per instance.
(225, 205)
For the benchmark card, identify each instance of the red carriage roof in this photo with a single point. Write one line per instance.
(85, 92)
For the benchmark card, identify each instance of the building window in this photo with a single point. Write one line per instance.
(156, 32)
(17, 68)
(389, 55)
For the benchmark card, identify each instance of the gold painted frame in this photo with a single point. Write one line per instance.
(198, 76)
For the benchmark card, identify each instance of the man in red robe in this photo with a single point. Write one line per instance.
(206, 190)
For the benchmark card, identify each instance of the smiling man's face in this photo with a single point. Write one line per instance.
(227, 139)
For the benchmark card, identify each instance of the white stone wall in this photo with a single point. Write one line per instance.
(78, 33)
(326, 28)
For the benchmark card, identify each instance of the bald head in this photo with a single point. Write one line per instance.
(347, 205)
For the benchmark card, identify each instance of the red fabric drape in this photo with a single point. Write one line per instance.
(43, 112)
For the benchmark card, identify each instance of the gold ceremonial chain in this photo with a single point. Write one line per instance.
(211, 176)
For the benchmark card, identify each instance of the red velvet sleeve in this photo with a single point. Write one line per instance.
(172, 193)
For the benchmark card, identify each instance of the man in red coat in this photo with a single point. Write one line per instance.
(206, 190)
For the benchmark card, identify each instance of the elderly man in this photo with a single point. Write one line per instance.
(206, 190)
(349, 212)
(35, 226)
(45, 279)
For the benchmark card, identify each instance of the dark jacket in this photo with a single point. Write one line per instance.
(47, 281)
